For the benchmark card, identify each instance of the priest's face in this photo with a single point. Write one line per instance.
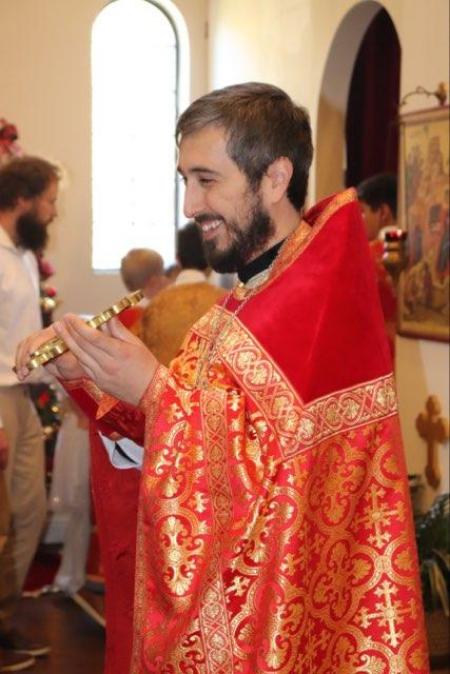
(234, 223)
(32, 224)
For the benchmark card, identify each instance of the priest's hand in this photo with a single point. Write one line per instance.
(117, 361)
(65, 366)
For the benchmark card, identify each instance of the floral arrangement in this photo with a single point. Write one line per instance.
(8, 141)
(46, 400)
(48, 293)
(45, 396)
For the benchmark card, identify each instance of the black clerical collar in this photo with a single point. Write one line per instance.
(259, 264)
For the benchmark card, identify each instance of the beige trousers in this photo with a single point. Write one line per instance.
(24, 479)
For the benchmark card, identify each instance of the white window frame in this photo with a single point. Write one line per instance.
(182, 84)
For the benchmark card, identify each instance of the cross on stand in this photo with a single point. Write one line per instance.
(434, 429)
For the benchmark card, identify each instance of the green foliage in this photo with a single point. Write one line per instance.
(433, 545)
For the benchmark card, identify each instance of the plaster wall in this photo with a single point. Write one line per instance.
(45, 89)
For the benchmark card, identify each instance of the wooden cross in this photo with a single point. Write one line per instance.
(434, 429)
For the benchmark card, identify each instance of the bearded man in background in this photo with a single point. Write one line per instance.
(28, 193)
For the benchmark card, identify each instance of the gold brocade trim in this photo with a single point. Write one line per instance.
(305, 234)
(105, 405)
(105, 402)
(86, 385)
(140, 595)
(297, 425)
(340, 200)
(72, 384)
(149, 404)
(154, 390)
(213, 613)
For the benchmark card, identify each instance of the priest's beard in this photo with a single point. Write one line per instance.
(246, 243)
(31, 233)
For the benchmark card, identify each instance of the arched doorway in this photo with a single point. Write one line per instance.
(371, 129)
(331, 150)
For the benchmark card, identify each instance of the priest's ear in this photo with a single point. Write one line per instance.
(277, 178)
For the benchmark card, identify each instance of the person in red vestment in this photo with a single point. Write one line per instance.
(275, 531)
(378, 200)
(115, 497)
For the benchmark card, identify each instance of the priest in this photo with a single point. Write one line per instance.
(275, 532)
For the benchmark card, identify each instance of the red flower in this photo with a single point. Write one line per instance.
(46, 269)
(8, 133)
(49, 291)
(43, 399)
(8, 137)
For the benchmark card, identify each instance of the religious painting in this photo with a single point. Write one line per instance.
(424, 213)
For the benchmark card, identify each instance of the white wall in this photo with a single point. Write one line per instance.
(45, 89)
(287, 42)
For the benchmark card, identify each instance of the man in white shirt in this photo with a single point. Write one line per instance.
(28, 193)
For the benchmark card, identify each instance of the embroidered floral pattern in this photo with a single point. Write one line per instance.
(298, 426)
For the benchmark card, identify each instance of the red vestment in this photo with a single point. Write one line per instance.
(275, 532)
(115, 495)
(386, 291)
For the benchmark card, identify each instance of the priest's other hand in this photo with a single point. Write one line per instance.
(117, 361)
(65, 366)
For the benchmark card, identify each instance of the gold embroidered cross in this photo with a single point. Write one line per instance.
(387, 614)
(377, 516)
(434, 430)
(315, 643)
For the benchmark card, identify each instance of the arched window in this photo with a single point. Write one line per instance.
(139, 54)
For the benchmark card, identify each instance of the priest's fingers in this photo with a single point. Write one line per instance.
(115, 336)
(102, 356)
(121, 368)
(116, 329)
(80, 342)
(95, 342)
(27, 346)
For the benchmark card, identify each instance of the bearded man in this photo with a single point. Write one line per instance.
(28, 193)
(275, 532)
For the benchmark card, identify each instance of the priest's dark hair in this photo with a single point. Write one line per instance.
(26, 178)
(262, 124)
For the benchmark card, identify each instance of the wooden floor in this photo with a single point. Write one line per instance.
(76, 640)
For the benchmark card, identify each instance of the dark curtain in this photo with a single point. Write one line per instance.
(371, 124)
